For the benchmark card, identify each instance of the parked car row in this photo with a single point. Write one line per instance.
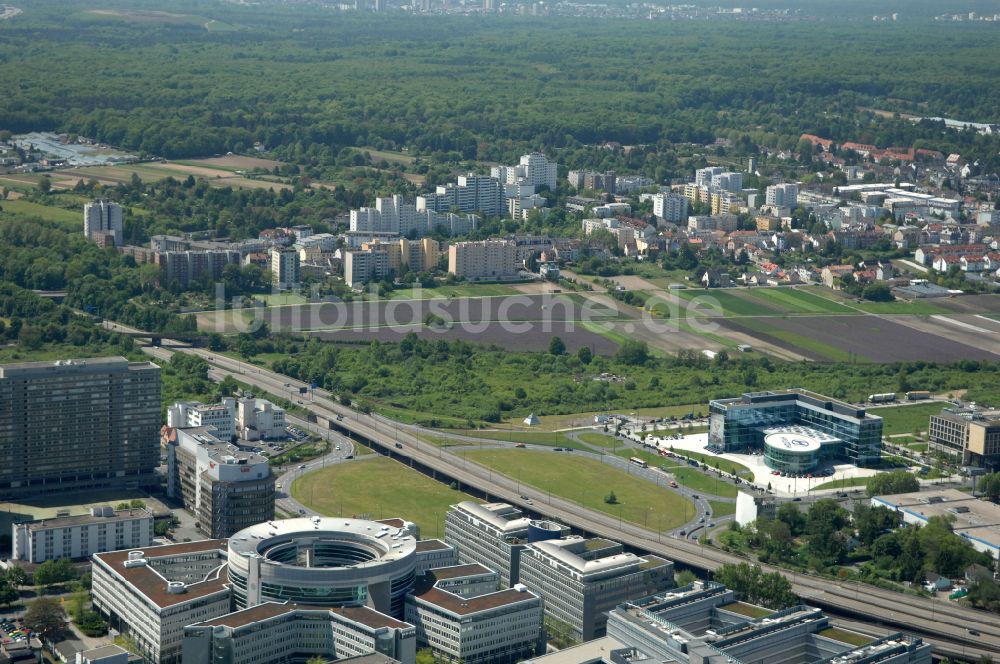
(14, 631)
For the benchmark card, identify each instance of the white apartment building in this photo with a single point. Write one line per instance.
(77, 537)
(458, 612)
(284, 268)
(518, 207)
(364, 265)
(487, 260)
(720, 222)
(613, 210)
(783, 195)
(703, 176)
(152, 594)
(670, 207)
(534, 169)
(472, 193)
(272, 633)
(321, 241)
(188, 414)
(102, 217)
(728, 181)
(581, 579)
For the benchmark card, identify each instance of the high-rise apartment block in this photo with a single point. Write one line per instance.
(783, 195)
(487, 260)
(671, 208)
(186, 267)
(102, 220)
(380, 260)
(728, 181)
(78, 424)
(534, 169)
(284, 268)
(703, 176)
(472, 193)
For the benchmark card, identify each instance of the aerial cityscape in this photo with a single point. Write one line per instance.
(499, 331)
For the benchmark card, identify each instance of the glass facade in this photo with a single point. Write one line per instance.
(737, 425)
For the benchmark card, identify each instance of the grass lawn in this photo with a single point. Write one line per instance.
(906, 419)
(721, 508)
(654, 460)
(918, 447)
(46, 212)
(797, 301)
(748, 610)
(918, 307)
(547, 438)
(378, 488)
(732, 305)
(852, 483)
(587, 482)
(280, 299)
(440, 441)
(600, 440)
(844, 636)
(725, 465)
(704, 483)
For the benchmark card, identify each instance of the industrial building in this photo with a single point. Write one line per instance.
(226, 488)
(968, 435)
(72, 425)
(461, 614)
(77, 537)
(494, 534)
(806, 429)
(704, 623)
(581, 579)
(974, 520)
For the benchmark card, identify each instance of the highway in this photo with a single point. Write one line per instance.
(955, 631)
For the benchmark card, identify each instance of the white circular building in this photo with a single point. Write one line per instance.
(794, 449)
(323, 562)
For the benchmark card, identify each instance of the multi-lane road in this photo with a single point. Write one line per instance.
(955, 631)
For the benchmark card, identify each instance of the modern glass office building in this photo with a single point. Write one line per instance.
(839, 430)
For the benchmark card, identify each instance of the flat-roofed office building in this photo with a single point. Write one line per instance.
(71, 425)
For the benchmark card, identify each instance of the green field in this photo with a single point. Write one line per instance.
(551, 422)
(461, 290)
(852, 483)
(721, 508)
(906, 419)
(600, 440)
(705, 483)
(732, 305)
(378, 488)
(725, 465)
(916, 308)
(280, 299)
(795, 301)
(46, 212)
(547, 438)
(587, 482)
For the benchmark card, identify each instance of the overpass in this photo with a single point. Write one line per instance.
(955, 631)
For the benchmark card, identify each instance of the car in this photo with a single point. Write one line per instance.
(399, 446)
(524, 497)
(337, 448)
(711, 524)
(301, 511)
(701, 519)
(796, 500)
(278, 485)
(302, 466)
(557, 449)
(695, 496)
(349, 456)
(683, 533)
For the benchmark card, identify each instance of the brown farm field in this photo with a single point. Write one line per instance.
(238, 162)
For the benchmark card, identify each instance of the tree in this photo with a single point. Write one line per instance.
(611, 498)
(632, 352)
(872, 522)
(772, 590)
(53, 572)
(585, 355)
(16, 576)
(685, 577)
(8, 593)
(425, 656)
(45, 616)
(44, 185)
(897, 481)
(556, 346)
(877, 293)
(792, 517)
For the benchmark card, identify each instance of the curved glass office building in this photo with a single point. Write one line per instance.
(323, 562)
(844, 432)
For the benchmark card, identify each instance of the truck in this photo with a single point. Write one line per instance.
(918, 395)
(882, 398)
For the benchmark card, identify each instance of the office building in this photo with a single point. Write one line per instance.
(278, 633)
(151, 594)
(782, 195)
(793, 424)
(77, 537)
(671, 208)
(284, 268)
(188, 267)
(581, 579)
(71, 425)
(493, 535)
(975, 520)
(969, 435)
(434, 553)
(460, 613)
(703, 622)
(103, 219)
(225, 488)
(109, 654)
(486, 260)
(190, 414)
(259, 419)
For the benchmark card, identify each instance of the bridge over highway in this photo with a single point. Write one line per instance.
(954, 630)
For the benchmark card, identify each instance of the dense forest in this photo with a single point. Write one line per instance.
(310, 82)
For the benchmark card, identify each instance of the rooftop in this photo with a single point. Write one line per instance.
(146, 580)
(103, 651)
(976, 520)
(502, 516)
(459, 571)
(431, 545)
(358, 614)
(88, 519)
(107, 363)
